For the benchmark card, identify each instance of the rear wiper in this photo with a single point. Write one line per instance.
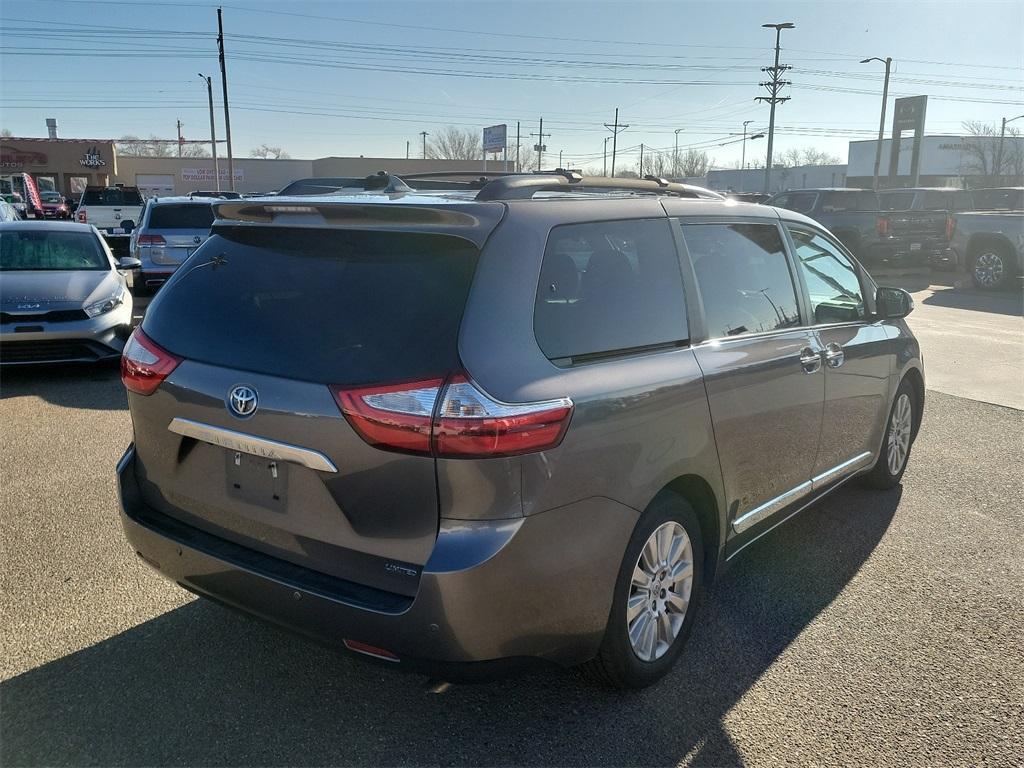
(215, 261)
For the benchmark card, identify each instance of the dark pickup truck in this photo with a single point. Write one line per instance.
(874, 235)
(989, 242)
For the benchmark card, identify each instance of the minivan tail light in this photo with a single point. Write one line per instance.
(453, 419)
(83, 216)
(145, 364)
(882, 226)
(151, 240)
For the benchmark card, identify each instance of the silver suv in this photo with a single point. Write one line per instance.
(170, 229)
(527, 421)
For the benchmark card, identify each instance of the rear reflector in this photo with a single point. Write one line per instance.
(145, 364)
(151, 240)
(950, 227)
(370, 650)
(453, 419)
(83, 216)
(882, 226)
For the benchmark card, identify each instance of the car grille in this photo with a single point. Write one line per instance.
(53, 351)
(57, 316)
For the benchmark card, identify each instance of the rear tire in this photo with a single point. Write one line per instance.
(900, 429)
(657, 594)
(992, 267)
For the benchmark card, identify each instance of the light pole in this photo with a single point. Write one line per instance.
(606, 155)
(1002, 137)
(213, 130)
(881, 120)
(560, 157)
(774, 86)
(675, 157)
(743, 162)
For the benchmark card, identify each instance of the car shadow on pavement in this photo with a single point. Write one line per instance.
(204, 685)
(80, 385)
(1008, 302)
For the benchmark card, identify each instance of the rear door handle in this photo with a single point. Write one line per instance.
(810, 360)
(834, 355)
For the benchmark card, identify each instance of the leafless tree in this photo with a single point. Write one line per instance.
(806, 156)
(133, 146)
(658, 164)
(982, 152)
(5, 133)
(527, 157)
(453, 143)
(267, 152)
(694, 162)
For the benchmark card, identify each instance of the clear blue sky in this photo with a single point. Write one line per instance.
(362, 78)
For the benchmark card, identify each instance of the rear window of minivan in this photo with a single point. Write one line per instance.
(181, 216)
(332, 306)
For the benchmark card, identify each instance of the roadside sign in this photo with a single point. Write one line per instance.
(495, 138)
(907, 115)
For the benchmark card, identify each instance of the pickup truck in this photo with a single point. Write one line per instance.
(990, 243)
(114, 211)
(873, 235)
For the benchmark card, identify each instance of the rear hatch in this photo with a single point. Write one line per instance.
(175, 230)
(286, 313)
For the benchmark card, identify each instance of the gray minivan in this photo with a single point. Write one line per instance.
(525, 422)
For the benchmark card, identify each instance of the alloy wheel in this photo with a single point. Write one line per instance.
(899, 434)
(988, 269)
(659, 591)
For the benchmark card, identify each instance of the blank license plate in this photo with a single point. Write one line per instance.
(117, 231)
(256, 480)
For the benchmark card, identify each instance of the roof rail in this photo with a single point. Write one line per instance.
(523, 187)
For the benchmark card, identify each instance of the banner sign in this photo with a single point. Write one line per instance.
(206, 174)
(34, 201)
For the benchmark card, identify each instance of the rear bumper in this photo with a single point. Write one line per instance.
(152, 277)
(492, 591)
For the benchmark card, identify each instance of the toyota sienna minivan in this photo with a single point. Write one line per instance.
(528, 420)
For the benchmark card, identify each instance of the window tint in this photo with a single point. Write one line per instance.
(608, 286)
(832, 282)
(184, 216)
(331, 306)
(801, 202)
(28, 249)
(999, 199)
(896, 201)
(743, 277)
(112, 196)
(835, 202)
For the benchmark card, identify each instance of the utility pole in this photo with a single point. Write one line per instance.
(539, 146)
(881, 120)
(615, 129)
(406, 149)
(1002, 138)
(227, 112)
(560, 157)
(213, 130)
(743, 162)
(606, 138)
(424, 134)
(641, 174)
(179, 138)
(675, 155)
(518, 167)
(774, 86)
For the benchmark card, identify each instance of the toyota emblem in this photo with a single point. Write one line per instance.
(242, 401)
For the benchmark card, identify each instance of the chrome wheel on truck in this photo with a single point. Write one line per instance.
(989, 270)
(659, 592)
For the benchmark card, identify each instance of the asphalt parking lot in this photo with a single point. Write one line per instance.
(875, 628)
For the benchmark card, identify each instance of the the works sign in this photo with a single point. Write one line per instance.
(12, 157)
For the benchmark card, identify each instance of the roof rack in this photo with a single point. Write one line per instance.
(522, 186)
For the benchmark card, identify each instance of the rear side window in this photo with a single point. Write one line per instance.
(607, 287)
(184, 216)
(898, 201)
(112, 196)
(743, 277)
(331, 306)
(836, 202)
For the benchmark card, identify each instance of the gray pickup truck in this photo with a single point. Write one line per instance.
(874, 235)
(989, 242)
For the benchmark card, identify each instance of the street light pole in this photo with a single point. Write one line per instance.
(213, 130)
(743, 162)
(1002, 138)
(774, 86)
(881, 120)
(675, 157)
(606, 155)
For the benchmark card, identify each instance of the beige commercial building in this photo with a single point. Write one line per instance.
(68, 165)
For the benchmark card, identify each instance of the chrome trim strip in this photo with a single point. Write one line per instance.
(849, 465)
(256, 446)
(756, 515)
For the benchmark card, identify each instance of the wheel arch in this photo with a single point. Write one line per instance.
(916, 380)
(983, 240)
(698, 492)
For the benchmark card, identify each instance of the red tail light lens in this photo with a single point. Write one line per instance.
(882, 226)
(467, 422)
(83, 216)
(950, 227)
(151, 240)
(145, 364)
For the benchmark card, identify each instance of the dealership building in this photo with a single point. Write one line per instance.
(69, 165)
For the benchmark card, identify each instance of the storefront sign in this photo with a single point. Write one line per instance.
(206, 174)
(92, 159)
(12, 157)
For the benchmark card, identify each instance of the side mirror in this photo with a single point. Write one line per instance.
(127, 262)
(893, 303)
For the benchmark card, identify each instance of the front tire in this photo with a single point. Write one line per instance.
(656, 596)
(900, 430)
(992, 267)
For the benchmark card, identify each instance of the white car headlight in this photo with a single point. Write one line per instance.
(105, 305)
